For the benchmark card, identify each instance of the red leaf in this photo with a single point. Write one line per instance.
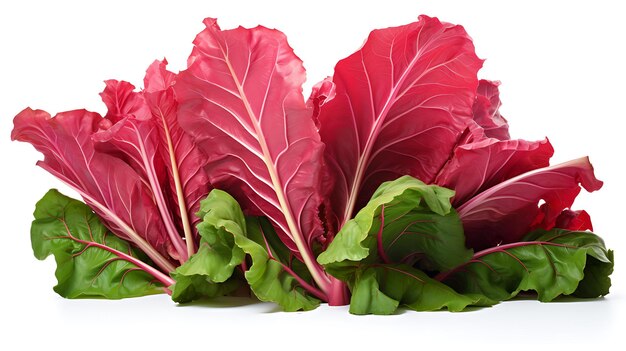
(321, 93)
(241, 100)
(486, 110)
(184, 162)
(572, 220)
(109, 185)
(477, 166)
(506, 212)
(402, 101)
(130, 132)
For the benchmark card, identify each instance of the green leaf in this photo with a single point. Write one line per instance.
(193, 287)
(379, 289)
(406, 225)
(419, 227)
(227, 237)
(267, 276)
(552, 263)
(91, 261)
(596, 281)
(196, 278)
(209, 272)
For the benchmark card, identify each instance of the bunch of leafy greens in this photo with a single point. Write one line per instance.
(395, 184)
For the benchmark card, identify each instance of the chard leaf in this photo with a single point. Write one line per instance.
(130, 130)
(188, 180)
(269, 278)
(374, 252)
(209, 272)
(192, 285)
(492, 161)
(401, 103)
(91, 262)
(596, 281)
(406, 221)
(241, 101)
(110, 186)
(379, 289)
(507, 211)
(552, 263)
(226, 238)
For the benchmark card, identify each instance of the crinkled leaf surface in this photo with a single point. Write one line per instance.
(380, 289)
(227, 236)
(571, 220)
(406, 221)
(91, 262)
(552, 263)
(209, 272)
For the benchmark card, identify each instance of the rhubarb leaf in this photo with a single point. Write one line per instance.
(552, 263)
(406, 221)
(241, 100)
(507, 211)
(91, 262)
(402, 102)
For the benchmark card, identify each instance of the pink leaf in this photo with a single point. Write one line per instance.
(130, 131)
(109, 185)
(184, 162)
(402, 101)
(321, 93)
(477, 166)
(487, 113)
(506, 212)
(241, 100)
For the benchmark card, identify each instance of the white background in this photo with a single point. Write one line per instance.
(562, 68)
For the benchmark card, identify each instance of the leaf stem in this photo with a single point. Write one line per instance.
(158, 275)
(160, 201)
(143, 245)
(379, 236)
(308, 287)
(321, 279)
(312, 289)
(182, 205)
